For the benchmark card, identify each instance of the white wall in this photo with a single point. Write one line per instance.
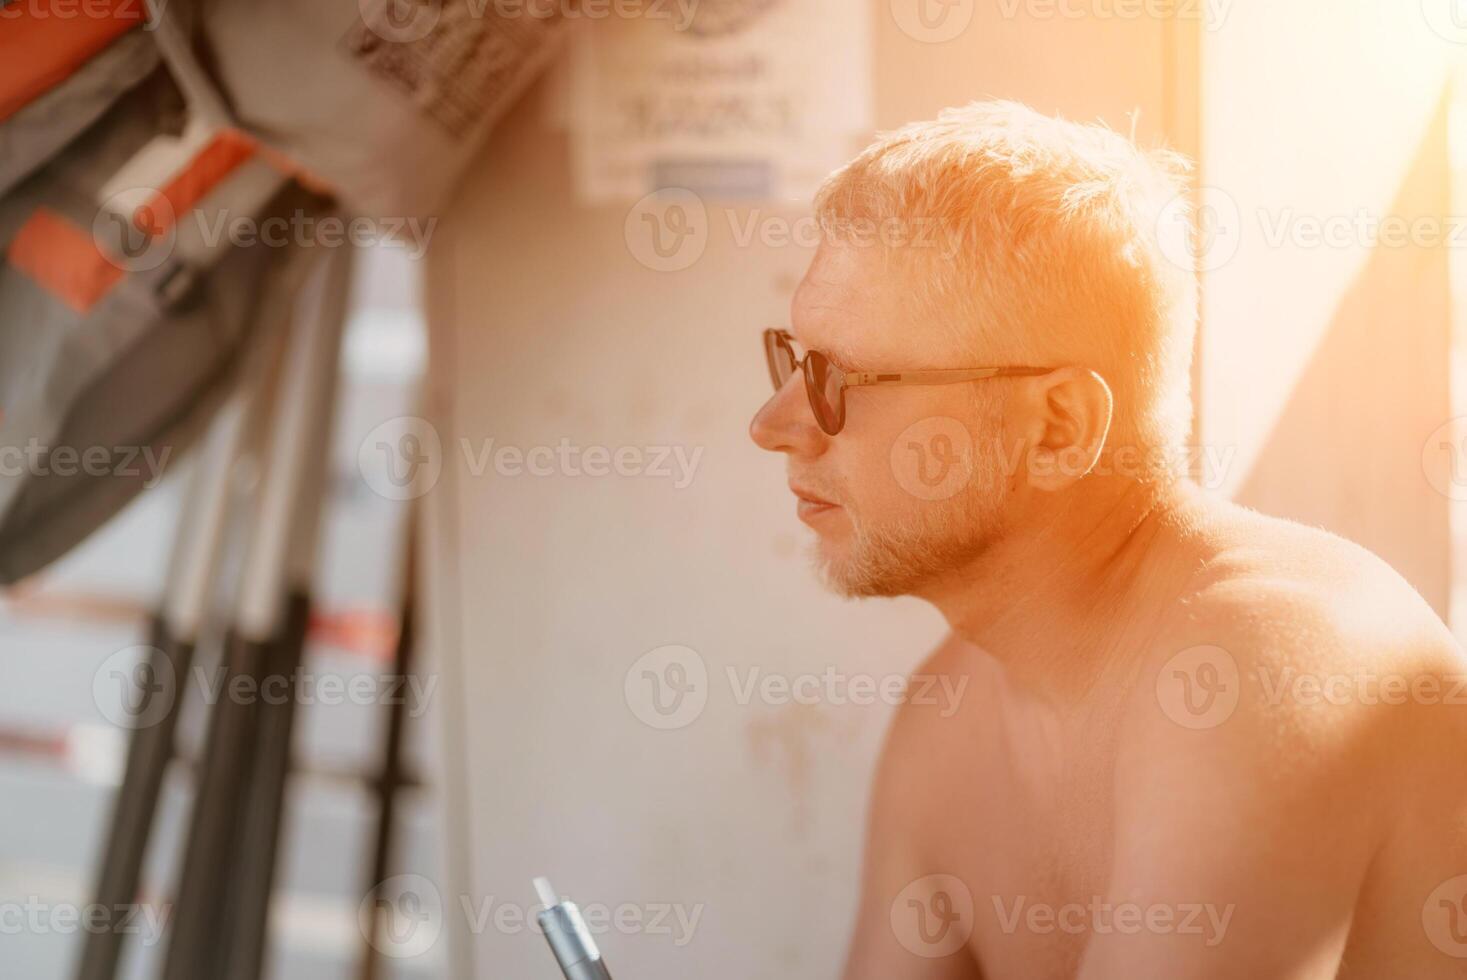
(1324, 366)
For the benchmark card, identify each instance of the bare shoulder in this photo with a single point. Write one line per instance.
(1302, 669)
(930, 737)
(942, 695)
(1305, 586)
(1290, 752)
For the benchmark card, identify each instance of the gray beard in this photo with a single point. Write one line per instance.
(938, 537)
(900, 559)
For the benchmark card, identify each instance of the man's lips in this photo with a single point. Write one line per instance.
(811, 504)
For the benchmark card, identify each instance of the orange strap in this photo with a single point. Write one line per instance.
(66, 261)
(42, 44)
(217, 160)
(63, 259)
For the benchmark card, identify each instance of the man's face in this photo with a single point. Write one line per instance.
(913, 488)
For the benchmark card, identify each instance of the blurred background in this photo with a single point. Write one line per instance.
(630, 680)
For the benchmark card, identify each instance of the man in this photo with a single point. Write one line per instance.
(1196, 742)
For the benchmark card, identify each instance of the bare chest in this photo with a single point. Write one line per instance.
(1031, 837)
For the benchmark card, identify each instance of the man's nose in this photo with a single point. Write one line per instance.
(785, 423)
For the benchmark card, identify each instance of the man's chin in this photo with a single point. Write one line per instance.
(864, 562)
(847, 575)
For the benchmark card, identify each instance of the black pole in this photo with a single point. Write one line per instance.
(198, 916)
(241, 952)
(392, 777)
(149, 752)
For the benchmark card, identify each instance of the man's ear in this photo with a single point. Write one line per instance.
(1069, 412)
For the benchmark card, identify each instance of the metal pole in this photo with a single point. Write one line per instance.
(247, 905)
(198, 553)
(392, 777)
(200, 923)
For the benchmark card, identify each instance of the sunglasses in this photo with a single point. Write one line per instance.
(826, 384)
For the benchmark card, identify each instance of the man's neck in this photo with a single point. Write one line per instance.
(1055, 602)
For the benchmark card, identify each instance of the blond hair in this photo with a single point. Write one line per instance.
(1052, 252)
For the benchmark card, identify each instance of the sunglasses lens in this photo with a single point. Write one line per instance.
(780, 357)
(825, 383)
